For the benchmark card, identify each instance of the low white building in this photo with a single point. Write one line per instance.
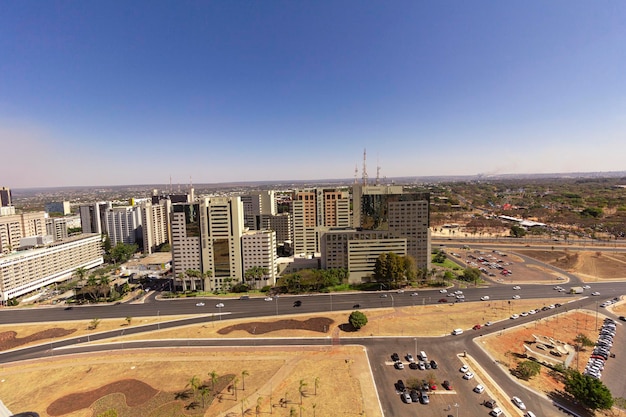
(29, 270)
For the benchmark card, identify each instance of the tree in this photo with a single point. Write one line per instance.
(80, 272)
(471, 275)
(122, 252)
(94, 324)
(393, 268)
(583, 340)
(357, 319)
(129, 320)
(194, 384)
(517, 231)
(590, 392)
(316, 384)
(235, 382)
(244, 374)
(214, 379)
(302, 389)
(527, 369)
(204, 391)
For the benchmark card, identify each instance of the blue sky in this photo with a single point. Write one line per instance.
(117, 92)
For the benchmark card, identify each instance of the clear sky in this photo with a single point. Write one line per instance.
(131, 92)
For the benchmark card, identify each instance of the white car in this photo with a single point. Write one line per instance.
(458, 292)
(519, 403)
(443, 291)
(586, 287)
(488, 323)
(517, 287)
(268, 298)
(516, 297)
(479, 389)
(414, 294)
(464, 368)
(484, 298)
(468, 375)
(595, 293)
(523, 313)
(495, 412)
(199, 304)
(219, 305)
(514, 316)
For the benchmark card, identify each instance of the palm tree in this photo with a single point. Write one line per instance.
(214, 379)
(80, 272)
(259, 400)
(244, 374)
(194, 383)
(204, 391)
(313, 406)
(302, 389)
(235, 382)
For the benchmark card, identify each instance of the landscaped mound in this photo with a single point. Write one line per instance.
(316, 324)
(8, 340)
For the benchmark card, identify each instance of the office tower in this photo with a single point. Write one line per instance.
(256, 205)
(28, 270)
(62, 207)
(259, 250)
(5, 197)
(315, 210)
(402, 212)
(123, 224)
(280, 223)
(56, 227)
(206, 243)
(92, 217)
(155, 224)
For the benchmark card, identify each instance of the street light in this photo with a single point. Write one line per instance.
(276, 298)
(457, 409)
(415, 340)
(392, 302)
(331, 302)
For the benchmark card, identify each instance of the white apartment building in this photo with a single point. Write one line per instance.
(122, 224)
(17, 226)
(155, 224)
(26, 271)
(259, 250)
(280, 223)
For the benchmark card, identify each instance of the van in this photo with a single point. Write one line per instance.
(457, 331)
(423, 356)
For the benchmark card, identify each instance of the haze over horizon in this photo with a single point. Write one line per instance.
(133, 93)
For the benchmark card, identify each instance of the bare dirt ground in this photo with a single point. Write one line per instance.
(589, 266)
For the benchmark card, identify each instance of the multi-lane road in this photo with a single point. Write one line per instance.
(444, 348)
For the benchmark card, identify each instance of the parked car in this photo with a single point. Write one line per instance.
(395, 357)
(495, 412)
(413, 365)
(424, 397)
(433, 364)
(409, 357)
(400, 385)
(464, 368)
(490, 403)
(479, 389)
(406, 397)
(399, 365)
(468, 375)
(415, 396)
(446, 384)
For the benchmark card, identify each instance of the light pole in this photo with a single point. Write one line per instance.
(276, 298)
(158, 318)
(331, 302)
(457, 409)
(392, 302)
(415, 340)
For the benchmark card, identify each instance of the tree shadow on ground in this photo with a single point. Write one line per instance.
(347, 327)
(566, 404)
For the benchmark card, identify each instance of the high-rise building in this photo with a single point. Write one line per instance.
(206, 241)
(313, 211)
(259, 250)
(123, 224)
(280, 223)
(56, 227)
(92, 217)
(256, 205)
(155, 224)
(17, 226)
(5, 197)
(62, 207)
(403, 212)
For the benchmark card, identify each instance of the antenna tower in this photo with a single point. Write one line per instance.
(356, 172)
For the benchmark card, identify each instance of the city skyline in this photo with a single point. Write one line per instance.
(100, 94)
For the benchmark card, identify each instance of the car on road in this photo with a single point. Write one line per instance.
(587, 287)
(443, 300)
(268, 298)
(479, 389)
(488, 323)
(484, 298)
(523, 313)
(518, 402)
(383, 296)
(456, 332)
(464, 368)
(477, 327)
(395, 357)
(200, 304)
(622, 318)
(517, 287)
(400, 291)
(356, 306)
(468, 375)
(595, 293)
(516, 297)
(446, 384)
(443, 291)
(69, 308)
(297, 303)
(514, 316)
(413, 294)
(219, 305)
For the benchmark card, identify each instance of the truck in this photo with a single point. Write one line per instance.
(576, 290)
